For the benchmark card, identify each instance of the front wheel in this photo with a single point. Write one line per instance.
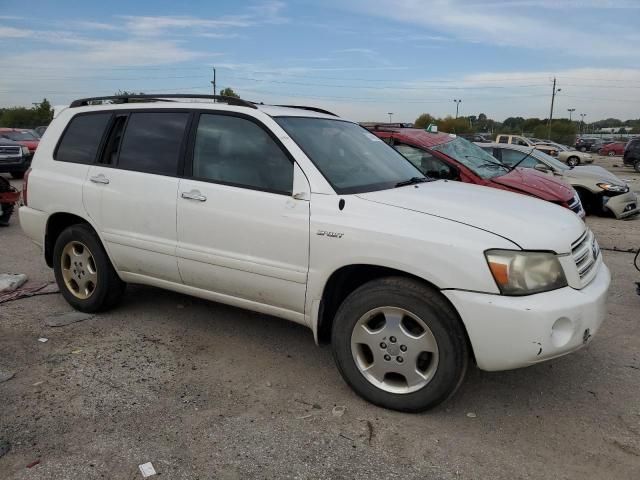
(84, 272)
(400, 345)
(573, 161)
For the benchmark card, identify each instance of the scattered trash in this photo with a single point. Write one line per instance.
(338, 411)
(268, 384)
(147, 469)
(43, 340)
(67, 318)
(29, 291)
(11, 281)
(5, 446)
(37, 383)
(6, 375)
(33, 464)
(471, 415)
(77, 351)
(303, 417)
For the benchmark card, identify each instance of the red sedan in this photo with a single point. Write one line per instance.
(611, 149)
(447, 157)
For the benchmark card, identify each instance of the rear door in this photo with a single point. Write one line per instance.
(131, 192)
(241, 232)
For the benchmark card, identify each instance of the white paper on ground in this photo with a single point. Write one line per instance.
(147, 469)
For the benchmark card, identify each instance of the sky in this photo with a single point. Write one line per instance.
(362, 59)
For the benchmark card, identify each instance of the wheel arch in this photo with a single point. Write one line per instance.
(348, 278)
(56, 224)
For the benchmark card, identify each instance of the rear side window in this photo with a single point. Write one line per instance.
(503, 139)
(81, 139)
(153, 142)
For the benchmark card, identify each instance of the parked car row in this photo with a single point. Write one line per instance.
(297, 213)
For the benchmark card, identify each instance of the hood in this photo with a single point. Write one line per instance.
(528, 222)
(592, 173)
(535, 183)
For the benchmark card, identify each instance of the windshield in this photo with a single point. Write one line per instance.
(351, 158)
(473, 157)
(549, 160)
(19, 136)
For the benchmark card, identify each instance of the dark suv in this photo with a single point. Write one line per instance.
(631, 155)
(586, 144)
(14, 158)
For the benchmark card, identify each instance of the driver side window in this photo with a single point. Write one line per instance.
(428, 164)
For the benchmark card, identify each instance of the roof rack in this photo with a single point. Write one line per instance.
(82, 102)
(311, 109)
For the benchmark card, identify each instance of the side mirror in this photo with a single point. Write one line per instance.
(541, 167)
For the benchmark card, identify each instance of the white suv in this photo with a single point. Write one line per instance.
(299, 214)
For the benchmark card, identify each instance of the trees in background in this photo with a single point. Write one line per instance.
(21, 117)
(228, 92)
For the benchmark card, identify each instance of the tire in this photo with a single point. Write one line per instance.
(414, 306)
(611, 153)
(573, 161)
(95, 285)
(636, 166)
(17, 175)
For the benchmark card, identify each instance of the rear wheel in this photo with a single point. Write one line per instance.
(400, 345)
(573, 161)
(84, 272)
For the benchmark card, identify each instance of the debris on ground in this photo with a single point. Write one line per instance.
(33, 464)
(147, 469)
(29, 291)
(43, 340)
(471, 415)
(5, 446)
(6, 375)
(11, 281)
(77, 351)
(67, 318)
(338, 411)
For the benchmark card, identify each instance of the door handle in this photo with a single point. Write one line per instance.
(100, 179)
(193, 195)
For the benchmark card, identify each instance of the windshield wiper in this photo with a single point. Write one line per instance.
(412, 181)
(523, 158)
(489, 162)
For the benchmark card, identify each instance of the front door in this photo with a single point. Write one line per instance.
(241, 232)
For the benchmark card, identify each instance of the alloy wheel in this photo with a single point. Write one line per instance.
(79, 270)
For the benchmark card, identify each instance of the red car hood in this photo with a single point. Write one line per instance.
(527, 180)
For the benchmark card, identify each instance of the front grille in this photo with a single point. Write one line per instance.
(10, 150)
(585, 252)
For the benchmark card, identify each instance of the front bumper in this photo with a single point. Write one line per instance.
(17, 164)
(513, 332)
(622, 206)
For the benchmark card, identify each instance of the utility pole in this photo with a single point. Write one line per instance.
(582, 115)
(553, 97)
(213, 82)
(458, 102)
(570, 110)
(390, 115)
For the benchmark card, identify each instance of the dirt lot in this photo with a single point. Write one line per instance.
(207, 391)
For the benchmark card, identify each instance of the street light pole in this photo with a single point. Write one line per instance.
(553, 97)
(582, 115)
(390, 115)
(570, 110)
(458, 102)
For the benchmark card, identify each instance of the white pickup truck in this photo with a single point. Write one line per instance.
(297, 213)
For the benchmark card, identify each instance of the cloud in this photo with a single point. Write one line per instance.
(480, 23)
(12, 32)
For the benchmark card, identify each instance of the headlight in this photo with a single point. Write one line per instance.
(525, 273)
(611, 187)
(25, 151)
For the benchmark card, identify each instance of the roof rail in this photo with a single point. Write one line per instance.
(82, 102)
(311, 109)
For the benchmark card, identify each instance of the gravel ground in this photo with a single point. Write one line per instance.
(203, 390)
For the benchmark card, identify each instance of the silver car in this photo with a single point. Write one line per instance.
(600, 191)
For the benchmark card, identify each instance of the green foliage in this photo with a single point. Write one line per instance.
(454, 125)
(423, 121)
(228, 92)
(562, 131)
(21, 117)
